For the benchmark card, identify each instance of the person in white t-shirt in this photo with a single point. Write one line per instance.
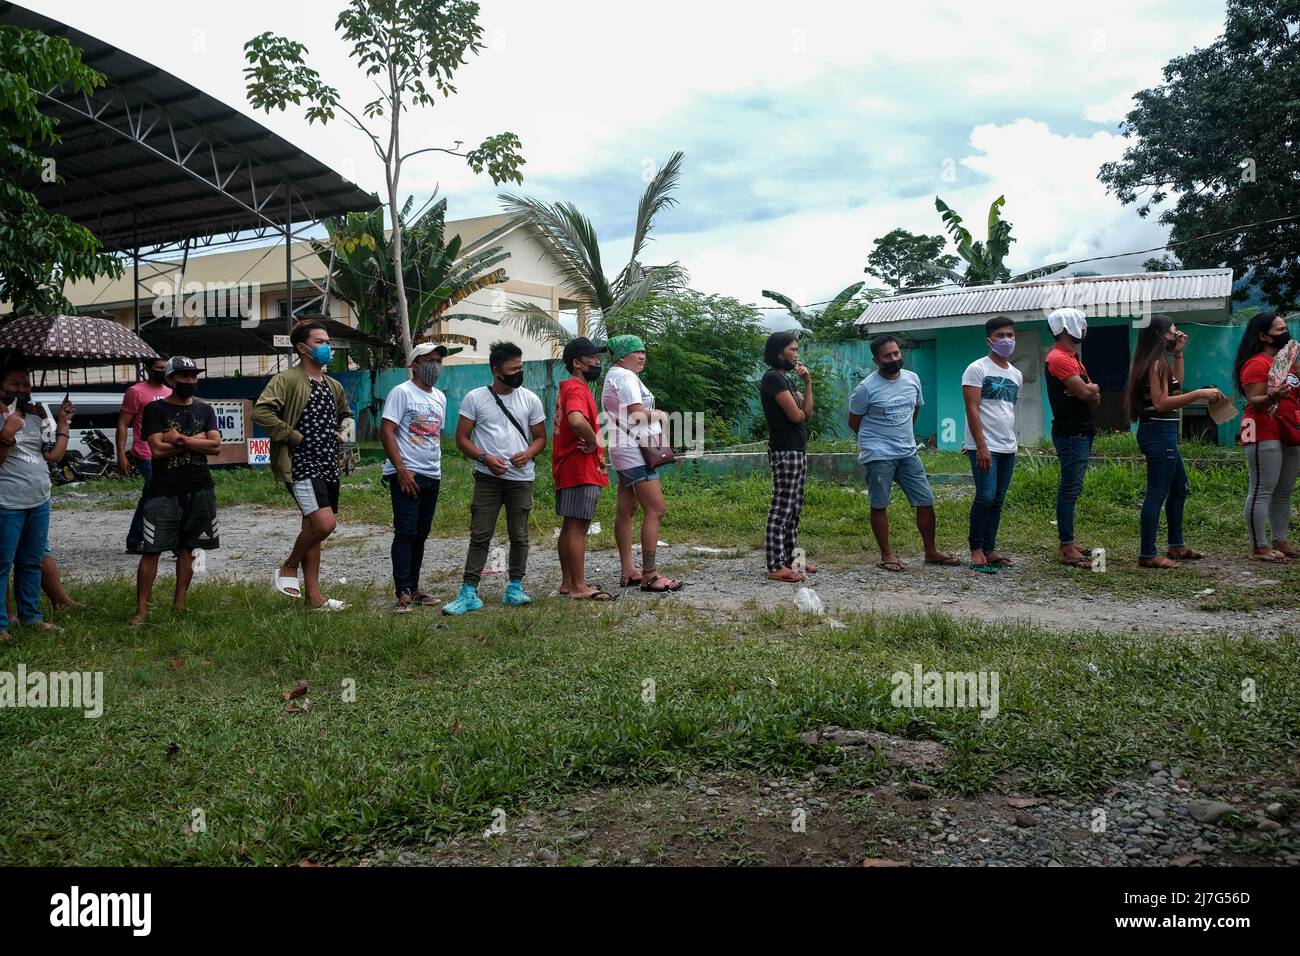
(990, 387)
(631, 419)
(502, 428)
(411, 432)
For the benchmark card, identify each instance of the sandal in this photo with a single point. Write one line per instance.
(947, 561)
(1273, 557)
(668, 584)
(788, 575)
(894, 566)
(986, 568)
(288, 586)
(626, 582)
(599, 594)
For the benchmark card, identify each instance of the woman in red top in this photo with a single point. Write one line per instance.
(1272, 463)
(578, 466)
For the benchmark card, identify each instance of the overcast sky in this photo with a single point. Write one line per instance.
(810, 128)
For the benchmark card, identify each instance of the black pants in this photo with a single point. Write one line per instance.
(412, 518)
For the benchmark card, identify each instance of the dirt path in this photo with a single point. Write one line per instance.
(255, 539)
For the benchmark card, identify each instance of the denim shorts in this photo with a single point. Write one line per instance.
(630, 476)
(910, 475)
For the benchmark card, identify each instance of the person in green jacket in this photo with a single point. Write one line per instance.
(305, 412)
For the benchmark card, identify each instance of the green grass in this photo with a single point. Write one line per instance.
(548, 701)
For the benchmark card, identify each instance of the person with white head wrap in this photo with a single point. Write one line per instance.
(1072, 396)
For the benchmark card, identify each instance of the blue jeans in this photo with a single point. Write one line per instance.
(135, 535)
(1073, 452)
(412, 518)
(990, 491)
(23, 535)
(1166, 484)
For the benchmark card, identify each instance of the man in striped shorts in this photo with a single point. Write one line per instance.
(578, 466)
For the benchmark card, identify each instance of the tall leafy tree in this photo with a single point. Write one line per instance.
(985, 261)
(410, 50)
(1217, 146)
(39, 251)
(899, 259)
(572, 238)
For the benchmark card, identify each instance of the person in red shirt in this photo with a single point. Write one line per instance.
(137, 457)
(578, 466)
(1272, 462)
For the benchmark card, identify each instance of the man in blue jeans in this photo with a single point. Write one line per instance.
(881, 412)
(990, 388)
(1072, 396)
(411, 432)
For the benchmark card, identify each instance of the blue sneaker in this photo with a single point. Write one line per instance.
(515, 595)
(466, 600)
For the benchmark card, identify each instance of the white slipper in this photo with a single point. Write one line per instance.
(332, 605)
(288, 586)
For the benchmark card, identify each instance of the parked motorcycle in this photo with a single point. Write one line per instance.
(75, 466)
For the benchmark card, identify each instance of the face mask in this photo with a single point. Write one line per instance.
(158, 378)
(429, 372)
(184, 389)
(1002, 347)
(513, 381)
(591, 374)
(891, 368)
(321, 354)
(18, 399)
(1281, 339)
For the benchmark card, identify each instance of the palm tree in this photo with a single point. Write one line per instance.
(984, 260)
(835, 322)
(436, 275)
(572, 238)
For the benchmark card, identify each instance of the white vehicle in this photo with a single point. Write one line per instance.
(95, 410)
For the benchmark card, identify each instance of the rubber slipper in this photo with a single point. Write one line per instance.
(1001, 562)
(892, 566)
(949, 561)
(982, 568)
(788, 575)
(286, 585)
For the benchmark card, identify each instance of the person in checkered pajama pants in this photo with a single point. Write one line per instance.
(787, 411)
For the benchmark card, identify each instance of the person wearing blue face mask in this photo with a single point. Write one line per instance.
(304, 412)
(990, 387)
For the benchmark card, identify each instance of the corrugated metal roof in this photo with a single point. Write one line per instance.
(1139, 290)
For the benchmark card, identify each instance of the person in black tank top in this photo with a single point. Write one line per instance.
(786, 411)
(1154, 398)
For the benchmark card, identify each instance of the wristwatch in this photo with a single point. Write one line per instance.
(482, 457)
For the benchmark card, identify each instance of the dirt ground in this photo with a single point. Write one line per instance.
(255, 538)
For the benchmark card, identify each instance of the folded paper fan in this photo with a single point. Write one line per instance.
(1283, 368)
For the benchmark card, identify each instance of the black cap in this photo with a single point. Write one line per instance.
(179, 363)
(580, 346)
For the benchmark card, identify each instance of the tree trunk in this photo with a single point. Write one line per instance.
(403, 317)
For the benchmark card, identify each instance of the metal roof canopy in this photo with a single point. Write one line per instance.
(149, 159)
(1208, 290)
(238, 339)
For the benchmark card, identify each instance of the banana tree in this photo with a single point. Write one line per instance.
(573, 240)
(984, 260)
(836, 321)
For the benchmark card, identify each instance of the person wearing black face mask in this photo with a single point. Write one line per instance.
(578, 466)
(787, 412)
(502, 428)
(180, 509)
(134, 457)
(882, 410)
(1270, 436)
(411, 432)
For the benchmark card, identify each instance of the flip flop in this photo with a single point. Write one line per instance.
(892, 566)
(288, 586)
(982, 568)
(332, 605)
(949, 561)
(1001, 562)
(788, 575)
(1273, 557)
(402, 607)
(597, 595)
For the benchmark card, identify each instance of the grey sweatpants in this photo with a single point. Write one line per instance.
(1273, 468)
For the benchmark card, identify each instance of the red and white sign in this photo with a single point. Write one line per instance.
(259, 451)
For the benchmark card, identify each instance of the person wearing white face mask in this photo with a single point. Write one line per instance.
(990, 388)
(411, 432)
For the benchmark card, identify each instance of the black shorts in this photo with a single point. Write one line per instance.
(181, 522)
(313, 494)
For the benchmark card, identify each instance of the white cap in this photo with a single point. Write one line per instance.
(1068, 320)
(427, 348)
